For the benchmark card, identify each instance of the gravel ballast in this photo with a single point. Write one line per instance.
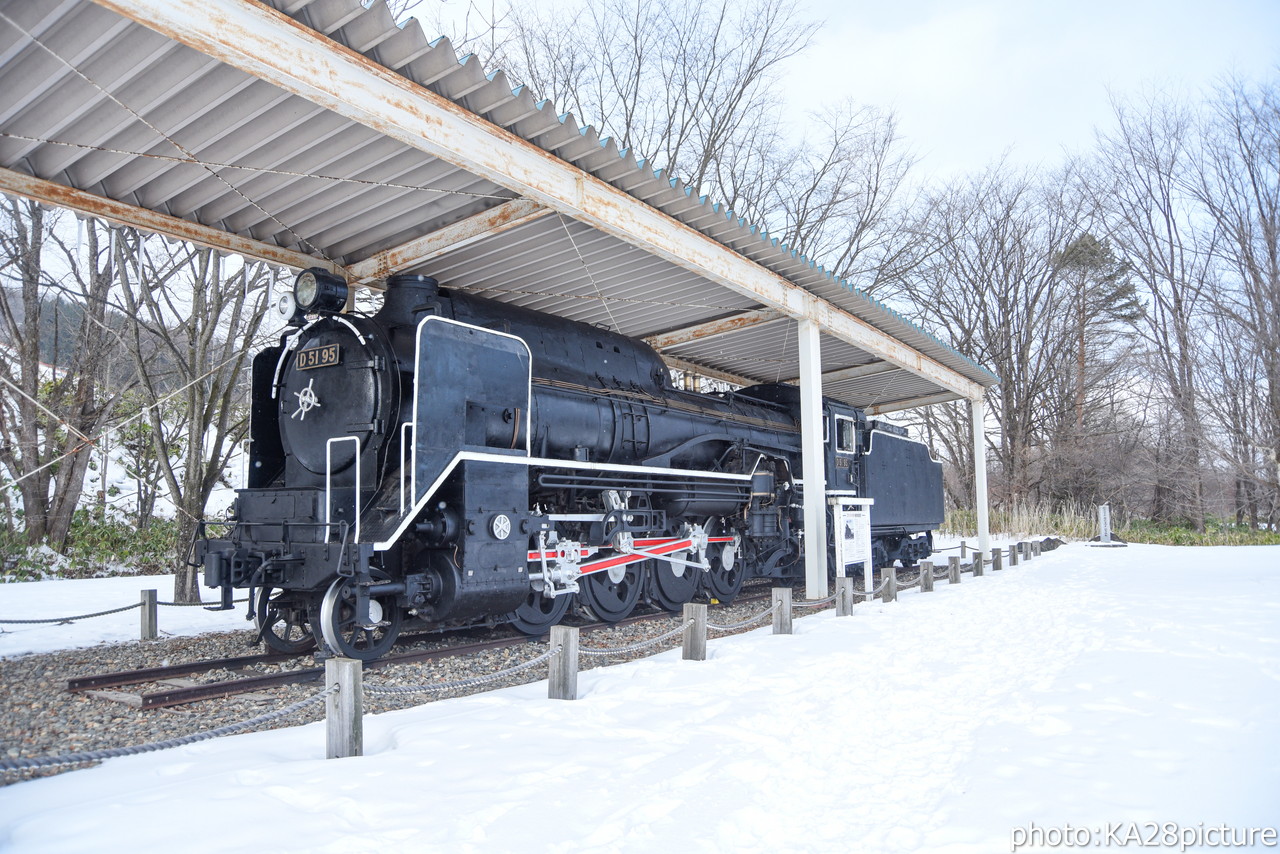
(39, 717)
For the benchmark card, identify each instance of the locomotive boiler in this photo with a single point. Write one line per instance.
(453, 461)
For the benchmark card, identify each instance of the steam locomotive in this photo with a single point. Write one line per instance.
(453, 461)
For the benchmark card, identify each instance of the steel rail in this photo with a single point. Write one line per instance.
(216, 690)
(155, 674)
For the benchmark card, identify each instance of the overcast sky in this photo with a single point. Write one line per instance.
(970, 79)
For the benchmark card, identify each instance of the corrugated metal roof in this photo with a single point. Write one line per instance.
(93, 101)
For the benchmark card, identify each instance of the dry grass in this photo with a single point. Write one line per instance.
(1081, 523)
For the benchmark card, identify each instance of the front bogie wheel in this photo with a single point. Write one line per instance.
(281, 619)
(342, 630)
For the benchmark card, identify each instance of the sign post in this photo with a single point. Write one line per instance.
(852, 535)
(1105, 538)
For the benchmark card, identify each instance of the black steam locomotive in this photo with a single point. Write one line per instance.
(452, 461)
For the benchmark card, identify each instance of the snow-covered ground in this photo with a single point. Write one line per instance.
(68, 598)
(1097, 689)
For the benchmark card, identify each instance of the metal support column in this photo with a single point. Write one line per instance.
(811, 447)
(978, 409)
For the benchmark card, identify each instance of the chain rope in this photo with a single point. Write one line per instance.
(9, 765)
(742, 625)
(117, 611)
(816, 603)
(605, 652)
(470, 682)
(876, 591)
(77, 617)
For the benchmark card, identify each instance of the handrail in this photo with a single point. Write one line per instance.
(328, 483)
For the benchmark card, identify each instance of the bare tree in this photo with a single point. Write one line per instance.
(1152, 224)
(201, 323)
(839, 197)
(51, 413)
(991, 286)
(1237, 182)
(687, 85)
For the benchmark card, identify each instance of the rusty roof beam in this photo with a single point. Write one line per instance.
(493, 221)
(913, 403)
(839, 375)
(713, 328)
(47, 192)
(704, 371)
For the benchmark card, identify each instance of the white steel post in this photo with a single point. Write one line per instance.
(811, 448)
(978, 409)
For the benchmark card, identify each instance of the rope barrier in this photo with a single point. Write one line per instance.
(876, 592)
(742, 625)
(18, 765)
(8, 765)
(77, 617)
(470, 682)
(69, 620)
(605, 652)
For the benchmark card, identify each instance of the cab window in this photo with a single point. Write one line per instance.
(846, 435)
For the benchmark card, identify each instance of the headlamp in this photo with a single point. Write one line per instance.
(317, 290)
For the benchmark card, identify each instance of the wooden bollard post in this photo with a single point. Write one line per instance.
(844, 596)
(926, 576)
(890, 592)
(562, 673)
(1013, 555)
(953, 568)
(962, 550)
(979, 563)
(1024, 551)
(1035, 548)
(997, 560)
(344, 710)
(150, 622)
(695, 636)
(782, 610)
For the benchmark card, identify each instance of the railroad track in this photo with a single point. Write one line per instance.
(103, 686)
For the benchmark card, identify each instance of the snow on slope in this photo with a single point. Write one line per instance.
(1088, 687)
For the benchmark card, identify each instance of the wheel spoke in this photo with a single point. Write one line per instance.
(335, 613)
(282, 623)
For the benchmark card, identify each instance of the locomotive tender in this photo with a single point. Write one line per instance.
(453, 460)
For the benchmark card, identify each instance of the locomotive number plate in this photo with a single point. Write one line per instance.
(318, 357)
